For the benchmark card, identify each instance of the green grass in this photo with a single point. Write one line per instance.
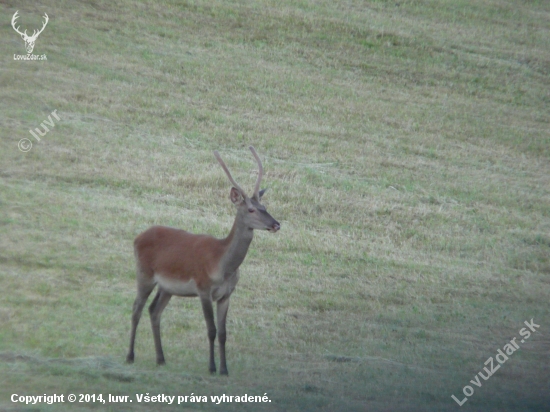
(406, 147)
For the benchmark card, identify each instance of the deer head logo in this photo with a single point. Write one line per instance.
(29, 40)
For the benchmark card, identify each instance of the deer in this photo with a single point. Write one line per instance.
(188, 265)
(29, 40)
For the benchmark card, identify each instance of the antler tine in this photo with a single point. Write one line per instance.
(13, 22)
(226, 170)
(260, 173)
(47, 19)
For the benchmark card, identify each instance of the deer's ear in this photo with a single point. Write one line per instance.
(261, 193)
(236, 196)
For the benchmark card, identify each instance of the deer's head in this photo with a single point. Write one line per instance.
(29, 40)
(254, 214)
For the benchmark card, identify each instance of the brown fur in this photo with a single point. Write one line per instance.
(178, 254)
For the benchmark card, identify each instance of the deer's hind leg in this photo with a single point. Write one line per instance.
(144, 289)
(155, 311)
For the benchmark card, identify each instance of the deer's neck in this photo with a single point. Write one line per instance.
(237, 242)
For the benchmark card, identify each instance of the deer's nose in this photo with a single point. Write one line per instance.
(276, 226)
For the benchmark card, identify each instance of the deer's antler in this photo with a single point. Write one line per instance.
(260, 173)
(15, 16)
(47, 19)
(24, 34)
(256, 194)
(226, 170)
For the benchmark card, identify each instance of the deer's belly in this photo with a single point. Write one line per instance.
(189, 288)
(176, 286)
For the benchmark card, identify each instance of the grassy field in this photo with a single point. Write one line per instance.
(406, 147)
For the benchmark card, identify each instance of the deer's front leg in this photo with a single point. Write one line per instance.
(208, 311)
(223, 306)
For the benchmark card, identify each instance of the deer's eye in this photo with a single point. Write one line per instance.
(251, 210)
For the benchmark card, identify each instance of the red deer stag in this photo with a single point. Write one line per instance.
(184, 264)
